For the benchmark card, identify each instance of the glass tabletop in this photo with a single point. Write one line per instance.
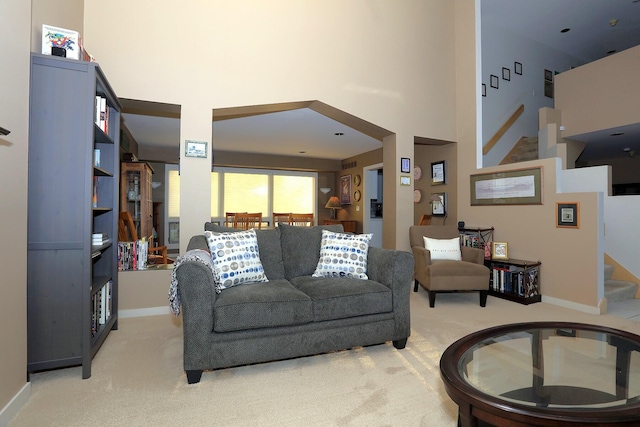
(568, 368)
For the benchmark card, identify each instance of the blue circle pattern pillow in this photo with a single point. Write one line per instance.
(343, 255)
(236, 258)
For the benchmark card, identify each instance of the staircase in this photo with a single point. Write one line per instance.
(617, 290)
(525, 149)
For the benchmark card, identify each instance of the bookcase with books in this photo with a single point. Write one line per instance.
(72, 281)
(478, 237)
(515, 279)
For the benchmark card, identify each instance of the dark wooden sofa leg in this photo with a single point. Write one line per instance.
(400, 344)
(432, 298)
(193, 377)
(483, 298)
(415, 286)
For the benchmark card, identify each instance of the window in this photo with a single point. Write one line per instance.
(248, 190)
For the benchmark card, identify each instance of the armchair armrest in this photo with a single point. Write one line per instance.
(422, 259)
(474, 255)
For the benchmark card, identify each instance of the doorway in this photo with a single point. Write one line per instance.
(372, 214)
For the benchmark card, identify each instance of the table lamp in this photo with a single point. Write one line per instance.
(333, 204)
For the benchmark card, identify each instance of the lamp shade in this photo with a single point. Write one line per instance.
(333, 203)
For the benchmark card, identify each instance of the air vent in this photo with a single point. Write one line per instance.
(349, 165)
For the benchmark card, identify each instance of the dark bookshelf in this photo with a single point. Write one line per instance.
(515, 280)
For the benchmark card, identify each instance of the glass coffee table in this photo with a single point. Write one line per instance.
(544, 374)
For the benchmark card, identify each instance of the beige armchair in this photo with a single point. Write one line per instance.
(435, 276)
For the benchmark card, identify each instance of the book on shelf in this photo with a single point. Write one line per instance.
(58, 41)
(96, 157)
(102, 114)
(133, 255)
(94, 198)
(99, 239)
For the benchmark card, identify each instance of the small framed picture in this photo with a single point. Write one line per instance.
(548, 75)
(405, 165)
(438, 173)
(345, 190)
(494, 81)
(517, 68)
(405, 180)
(568, 215)
(484, 89)
(438, 204)
(506, 74)
(499, 250)
(195, 149)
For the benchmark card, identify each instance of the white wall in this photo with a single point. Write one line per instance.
(501, 48)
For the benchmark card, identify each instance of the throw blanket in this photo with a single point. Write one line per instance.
(197, 255)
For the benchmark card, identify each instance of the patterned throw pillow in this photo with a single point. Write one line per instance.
(343, 255)
(236, 259)
(443, 248)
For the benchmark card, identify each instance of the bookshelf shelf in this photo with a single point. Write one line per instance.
(70, 199)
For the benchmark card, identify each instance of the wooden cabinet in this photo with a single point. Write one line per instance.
(348, 224)
(515, 279)
(136, 197)
(72, 288)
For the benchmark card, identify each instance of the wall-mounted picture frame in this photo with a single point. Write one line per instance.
(494, 81)
(500, 250)
(517, 68)
(548, 89)
(405, 180)
(345, 190)
(548, 75)
(484, 89)
(405, 165)
(195, 149)
(568, 214)
(512, 187)
(438, 204)
(438, 173)
(506, 74)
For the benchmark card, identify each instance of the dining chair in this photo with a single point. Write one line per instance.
(425, 220)
(245, 221)
(229, 218)
(281, 217)
(302, 219)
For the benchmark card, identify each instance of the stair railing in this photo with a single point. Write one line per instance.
(503, 129)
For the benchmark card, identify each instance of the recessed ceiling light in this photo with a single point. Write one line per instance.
(302, 152)
(566, 30)
(617, 133)
(626, 149)
(611, 52)
(339, 133)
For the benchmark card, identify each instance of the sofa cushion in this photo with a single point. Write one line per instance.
(261, 305)
(268, 245)
(339, 298)
(236, 258)
(441, 249)
(343, 255)
(301, 248)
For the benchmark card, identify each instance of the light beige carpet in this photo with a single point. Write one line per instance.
(137, 377)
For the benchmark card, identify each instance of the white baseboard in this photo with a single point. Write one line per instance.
(143, 312)
(14, 405)
(572, 305)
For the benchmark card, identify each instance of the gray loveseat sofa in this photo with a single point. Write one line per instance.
(293, 314)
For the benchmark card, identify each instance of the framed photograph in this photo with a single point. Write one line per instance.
(438, 204)
(405, 180)
(405, 165)
(345, 190)
(484, 89)
(548, 89)
(438, 173)
(499, 250)
(513, 187)
(506, 74)
(494, 81)
(548, 75)
(517, 68)
(568, 215)
(195, 148)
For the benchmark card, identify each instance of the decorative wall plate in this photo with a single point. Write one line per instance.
(417, 173)
(357, 195)
(417, 196)
(357, 180)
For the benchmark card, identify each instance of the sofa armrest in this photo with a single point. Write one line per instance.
(198, 242)
(394, 269)
(474, 255)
